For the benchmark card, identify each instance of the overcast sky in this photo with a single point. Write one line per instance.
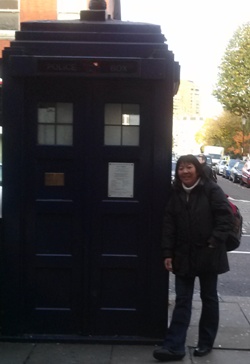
(197, 31)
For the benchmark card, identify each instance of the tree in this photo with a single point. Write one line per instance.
(233, 87)
(226, 131)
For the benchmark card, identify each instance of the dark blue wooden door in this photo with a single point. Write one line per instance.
(87, 197)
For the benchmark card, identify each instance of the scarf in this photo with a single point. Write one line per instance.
(189, 189)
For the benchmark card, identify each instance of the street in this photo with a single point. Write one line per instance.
(236, 282)
(240, 196)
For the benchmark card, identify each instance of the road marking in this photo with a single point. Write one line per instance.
(238, 252)
(234, 199)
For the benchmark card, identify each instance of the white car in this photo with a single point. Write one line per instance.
(220, 166)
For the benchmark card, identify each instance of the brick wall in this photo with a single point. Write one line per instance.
(3, 43)
(34, 10)
(38, 10)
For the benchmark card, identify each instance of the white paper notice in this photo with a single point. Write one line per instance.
(121, 180)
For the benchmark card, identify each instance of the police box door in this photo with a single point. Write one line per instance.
(87, 207)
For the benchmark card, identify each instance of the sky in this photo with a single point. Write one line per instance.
(197, 32)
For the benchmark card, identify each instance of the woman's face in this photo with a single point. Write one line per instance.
(187, 174)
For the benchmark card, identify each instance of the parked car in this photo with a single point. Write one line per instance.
(219, 166)
(236, 171)
(227, 168)
(245, 177)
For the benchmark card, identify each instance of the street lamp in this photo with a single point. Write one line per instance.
(243, 132)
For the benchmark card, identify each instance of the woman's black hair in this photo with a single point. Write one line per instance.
(189, 158)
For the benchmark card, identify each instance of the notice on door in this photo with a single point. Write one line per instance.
(121, 180)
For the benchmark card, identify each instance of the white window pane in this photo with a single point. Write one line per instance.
(112, 135)
(130, 119)
(46, 134)
(70, 6)
(64, 135)
(9, 4)
(130, 135)
(130, 114)
(46, 115)
(64, 113)
(113, 114)
(9, 20)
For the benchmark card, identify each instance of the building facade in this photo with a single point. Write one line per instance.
(187, 119)
(187, 100)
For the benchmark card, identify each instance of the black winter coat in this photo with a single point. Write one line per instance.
(190, 226)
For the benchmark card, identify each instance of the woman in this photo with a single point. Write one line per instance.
(196, 222)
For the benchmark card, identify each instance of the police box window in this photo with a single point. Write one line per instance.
(55, 123)
(122, 124)
(9, 15)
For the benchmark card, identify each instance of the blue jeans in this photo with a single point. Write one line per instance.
(209, 319)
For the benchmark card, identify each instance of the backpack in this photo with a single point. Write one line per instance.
(234, 237)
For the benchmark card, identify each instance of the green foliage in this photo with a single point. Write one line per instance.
(233, 87)
(226, 131)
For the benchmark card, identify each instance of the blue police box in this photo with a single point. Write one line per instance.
(87, 143)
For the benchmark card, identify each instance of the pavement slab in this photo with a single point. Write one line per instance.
(15, 353)
(70, 354)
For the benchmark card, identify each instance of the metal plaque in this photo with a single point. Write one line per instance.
(121, 180)
(54, 179)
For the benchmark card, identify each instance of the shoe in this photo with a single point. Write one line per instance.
(202, 351)
(166, 355)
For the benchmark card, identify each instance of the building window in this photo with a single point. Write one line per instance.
(9, 5)
(70, 9)
(55, 123)
(9, 15)
(122, 124)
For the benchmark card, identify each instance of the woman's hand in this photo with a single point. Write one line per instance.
(168, 264)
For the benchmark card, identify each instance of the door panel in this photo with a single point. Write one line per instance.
(87, 253)
(121, 240)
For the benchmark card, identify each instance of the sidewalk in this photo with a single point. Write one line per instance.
(232, 344)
